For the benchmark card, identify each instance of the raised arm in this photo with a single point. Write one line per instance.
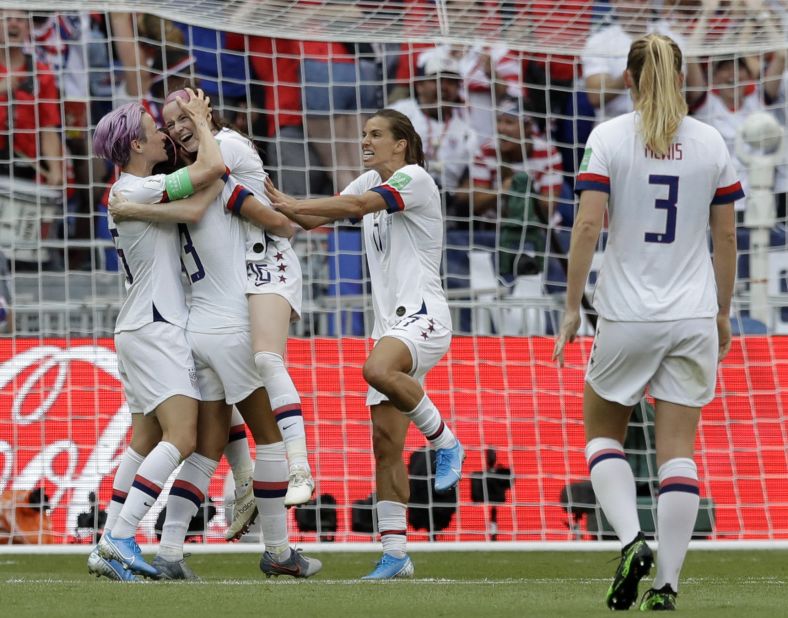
(723, 237)
(209, 165)
(187, 210)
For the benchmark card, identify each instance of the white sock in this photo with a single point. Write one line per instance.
(614, 486)
(187, 495)
(238, 455)
(130, 462)
(270, 487)
(677, 510)
(146, 487)
(429, 422)
(286, 405)
(393, 527)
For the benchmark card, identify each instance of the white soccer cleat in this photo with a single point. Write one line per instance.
(300, 486)
(244, 512)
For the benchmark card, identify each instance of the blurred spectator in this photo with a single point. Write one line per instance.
(521, 244)
(605, 55)
(439, 118)
(289, 157)
(519, 147)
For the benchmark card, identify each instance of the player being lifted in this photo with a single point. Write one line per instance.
(213, 248)
(154, 358)
(399, 205)
(663, 304)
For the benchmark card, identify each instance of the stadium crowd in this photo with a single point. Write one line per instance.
(503, 130)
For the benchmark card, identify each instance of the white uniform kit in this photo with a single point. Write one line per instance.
(272, 265)
(403, 246)
(154, 358)
(656, 284)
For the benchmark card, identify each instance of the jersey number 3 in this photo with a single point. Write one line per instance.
(669, 205)
(188, 249)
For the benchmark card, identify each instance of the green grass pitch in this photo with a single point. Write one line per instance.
(715, 583)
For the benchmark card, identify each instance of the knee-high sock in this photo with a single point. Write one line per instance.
(614, 486)
(677, 509)
(146, 487)
(187, 495)
(270, 486)
(428, 420)
(130, 462)
(238, 456)
(393, 527)
(286, 405)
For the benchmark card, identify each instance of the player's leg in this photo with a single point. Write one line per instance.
(270, 323)
(145, 435)
(240, 460)
(389, 430)
(190, 488)
(270, 486)
(178, 419)
(388, 370)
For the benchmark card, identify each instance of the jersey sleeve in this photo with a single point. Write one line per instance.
(729, 188)
(234, 153)
(594, 172)
(150, 190)
(233, 195)
(405, 190)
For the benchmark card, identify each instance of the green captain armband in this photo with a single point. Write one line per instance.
(178, 185)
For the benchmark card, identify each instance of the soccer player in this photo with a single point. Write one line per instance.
(399, 205)
(274, 289)
(663, 304)
(213, 253)
(154, 357)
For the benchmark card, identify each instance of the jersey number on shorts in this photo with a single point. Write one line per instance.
(188, 248)
(259, 272)
(114, 233)
(669, 205)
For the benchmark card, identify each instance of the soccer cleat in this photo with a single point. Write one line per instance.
(297, 565)
(390, 567)
(111, 569)
(636, 561)
(448, 467)
(127, 552)
(663, 599)
(244, 512)
(174, 569)
(300, 486)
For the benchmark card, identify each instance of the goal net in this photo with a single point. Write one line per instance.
(504, 95)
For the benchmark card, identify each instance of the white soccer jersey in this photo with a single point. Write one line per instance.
(657, 264)
(150, 257)
(403, 246)
(213, 253)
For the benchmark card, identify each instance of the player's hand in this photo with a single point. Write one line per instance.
(724, 335)
(118, 207)
(569, 327)
(198, 106)
(280, 201)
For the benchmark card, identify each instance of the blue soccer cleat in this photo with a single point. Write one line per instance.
(127, 552)
(390, 567)
(111, 569)
(448, 467)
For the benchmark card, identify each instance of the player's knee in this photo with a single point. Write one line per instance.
(269, 364)
(185, 442)
(376, 375)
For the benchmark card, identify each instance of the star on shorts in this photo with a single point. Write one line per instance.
(279, 257)
(282, 267)
(282, 279)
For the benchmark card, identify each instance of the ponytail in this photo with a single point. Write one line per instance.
(654, 62)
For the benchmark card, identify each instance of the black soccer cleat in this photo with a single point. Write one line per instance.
(663, 599)
(636, 561)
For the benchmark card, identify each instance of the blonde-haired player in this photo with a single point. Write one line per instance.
(663, 304)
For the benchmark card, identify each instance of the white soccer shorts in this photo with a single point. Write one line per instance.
(155, 362)
(225, 365)
(428, 341)
(277, 272)
(676, 360)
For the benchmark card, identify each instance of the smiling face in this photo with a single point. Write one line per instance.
(180, 127)
(15, 28)
(379, 148)
(151, 145)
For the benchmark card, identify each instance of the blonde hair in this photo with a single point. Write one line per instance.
(654, 62)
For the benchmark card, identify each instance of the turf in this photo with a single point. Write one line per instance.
(715, 583)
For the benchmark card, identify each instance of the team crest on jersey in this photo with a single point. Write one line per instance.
(399, 181)
(586, 160)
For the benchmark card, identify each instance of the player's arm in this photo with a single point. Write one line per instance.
(723, 237)
(209, 165)
(187, 210)
(585, 236)
(603, 87)
(263, 216)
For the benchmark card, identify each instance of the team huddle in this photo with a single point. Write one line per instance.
(661, 179)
